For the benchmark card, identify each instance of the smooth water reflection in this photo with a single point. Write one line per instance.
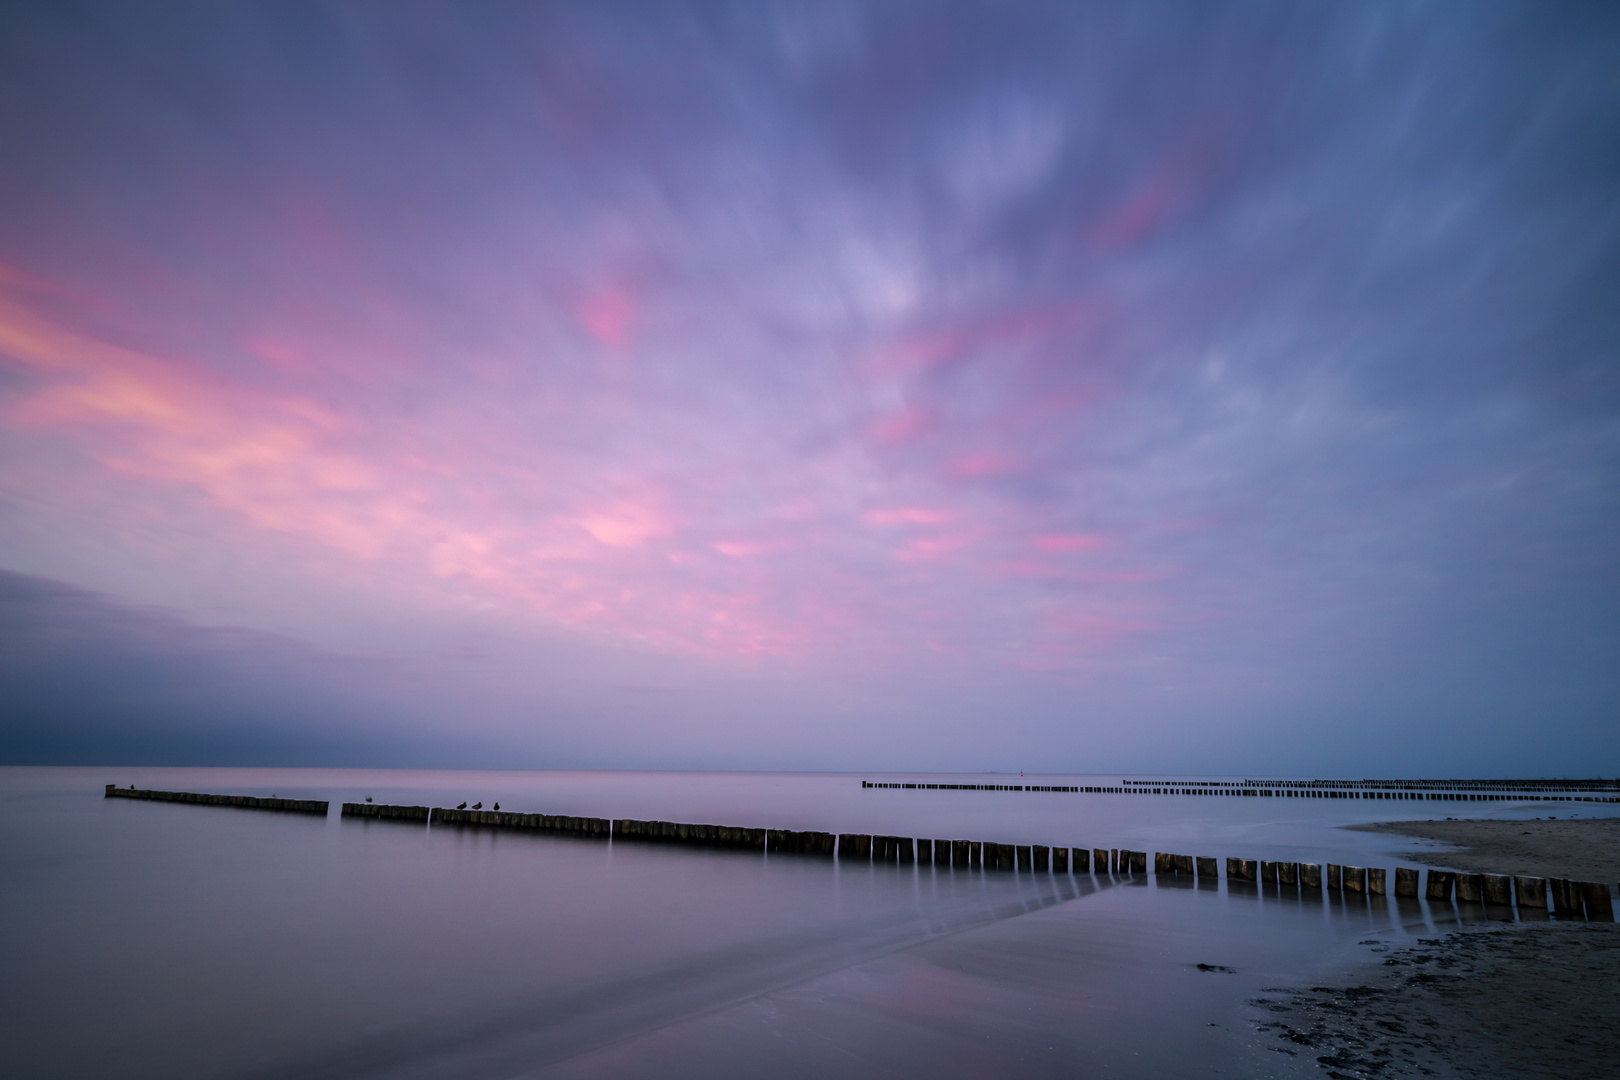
(150, 939)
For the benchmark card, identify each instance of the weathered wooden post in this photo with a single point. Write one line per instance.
(1100, 861)
(1499, 889)
(1207, 869)
(1335, 877)
(1567, 901)
(942, 852)
(1042, 856)
(1406, 882)
(1471, 888)
(976, 854)
(1081, 859)
(1161, 863)
(1242, 870)
(925, 851)
(1006, 857)
(1183, 864)
(1355, 879)
(1024, 857)
(1138, 862)
(1531, 892)
(1268, 872)
(1060, 860)
(1288, 874)
(1375, 880)
(1114, 866)
(906, 848)
(959, 853)
(1439, 885)
(1599, 905)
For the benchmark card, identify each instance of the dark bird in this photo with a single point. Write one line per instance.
(461, 806)
(478, 806)
(497, 806)
(368, 798)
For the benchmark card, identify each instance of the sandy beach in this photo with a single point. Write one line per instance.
(1527, 999)
(1584, 849)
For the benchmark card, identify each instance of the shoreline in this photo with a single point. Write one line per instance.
(1525, 999)
(1585, 849)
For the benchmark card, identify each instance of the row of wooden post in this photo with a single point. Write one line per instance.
(1572, 899)
(241, 802)
(1589, 899)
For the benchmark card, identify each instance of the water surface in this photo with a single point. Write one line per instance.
(148, 939)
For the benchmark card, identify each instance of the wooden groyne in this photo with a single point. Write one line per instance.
(1567, 899)
(1570, 899)
(1589, 791)
(241, 802)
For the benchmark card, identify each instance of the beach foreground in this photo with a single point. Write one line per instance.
(1525, 999)
(1584, 849)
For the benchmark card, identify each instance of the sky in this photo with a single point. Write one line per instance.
(1199, 387)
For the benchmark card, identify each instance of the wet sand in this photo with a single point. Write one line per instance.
(1584, 850)
(1527, 999)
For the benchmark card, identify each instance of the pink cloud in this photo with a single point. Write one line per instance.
(903, 426)
(974, 466)
(615, 514)
(908, 515)
(1064, 542)
(607, 315)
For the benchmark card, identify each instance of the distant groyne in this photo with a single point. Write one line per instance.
(241, 802)
(1591, 791)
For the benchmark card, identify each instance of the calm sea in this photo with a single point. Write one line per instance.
(144, 939)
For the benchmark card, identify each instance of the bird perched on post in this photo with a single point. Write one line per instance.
(368, 798)
(497, 806)
(478, 806)
(461, 806)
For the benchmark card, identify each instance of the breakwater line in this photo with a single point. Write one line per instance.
(1567, 898)
(241, 802)
(1590, 900)
(1590, 791)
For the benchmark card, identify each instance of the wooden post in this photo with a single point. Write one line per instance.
(942, 852)
(1439, 885)
(1531, 892)
(1567, 900)
(1355, 879)
(1406, 882)
(1288, 874)
(1081, 859)
(1335, 877)
(1161, 863)
(1183, 864)
(1113, 861)
(1310, 875)
(1268, 872)
(1206, 868)
(1042, 856)
(976, 854)
(959, 853)
(1599, 905)
(1499, 889)
(1024, 857)
(1138, 862)
(925, 851)
(1099, 860)
(1375, 880)
(1060, 860)
(1471, 888)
